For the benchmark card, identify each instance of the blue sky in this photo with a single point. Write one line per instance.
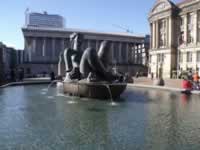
(86, 14)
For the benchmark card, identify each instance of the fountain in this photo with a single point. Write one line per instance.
(87, 73)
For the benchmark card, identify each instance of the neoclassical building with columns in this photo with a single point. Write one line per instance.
(175, 37)
(43, 45)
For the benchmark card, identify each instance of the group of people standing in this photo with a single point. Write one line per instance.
(191, 82)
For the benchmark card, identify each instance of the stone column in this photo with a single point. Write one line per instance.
(44, 47)
(112, 52)
(140, 53)
(195, 26)
(29, 43)
(136, 53)
(53, 48)
(198, 21)
(185, 29)
(127, 52)
(143, 55)
(62, 44)
(170, 32)
(120, 53)
(167, 32)
(157, 35)
(34, 45)
(133, 54)
(153, 36)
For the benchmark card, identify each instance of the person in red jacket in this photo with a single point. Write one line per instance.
(186, 84)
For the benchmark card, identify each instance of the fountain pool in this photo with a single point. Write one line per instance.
(31, 118)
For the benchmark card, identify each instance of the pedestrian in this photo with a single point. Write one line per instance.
(196, 81)
(152, 76)
(137, 74)
(52, 76)
(196, 78)
(186, 84)
(190, 75)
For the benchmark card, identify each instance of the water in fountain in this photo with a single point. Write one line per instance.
(45, 90)
(59, 88)
(111, 98)
(72, 101)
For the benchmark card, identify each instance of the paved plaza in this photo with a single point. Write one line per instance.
(172, 83)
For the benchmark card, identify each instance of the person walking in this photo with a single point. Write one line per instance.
(196, 77)
(52, 76)
(196, 81)
(186, 84)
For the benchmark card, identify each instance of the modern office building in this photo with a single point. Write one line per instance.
(44, 20)
(43, 45)
(175, 37)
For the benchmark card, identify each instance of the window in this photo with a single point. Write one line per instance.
(181, 38)
(160, 58)
(181, 24)
(198, 56)
(189, 56)
(162, 33)
(181, 21)
(190, 37)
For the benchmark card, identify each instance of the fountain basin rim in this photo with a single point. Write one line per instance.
(96, 90)
(81, 82)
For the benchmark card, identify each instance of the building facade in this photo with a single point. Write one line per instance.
(43, 45)
(1, 64)
(44, 20)
(10, 59)
(175, 38)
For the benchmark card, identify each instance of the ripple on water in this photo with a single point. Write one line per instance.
(45, 89)
(50, 97)
(72, 102)
(43, 93)
(113, 104)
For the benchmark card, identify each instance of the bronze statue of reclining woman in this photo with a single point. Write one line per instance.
(90, 64)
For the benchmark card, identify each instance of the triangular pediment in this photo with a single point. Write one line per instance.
(161, 5)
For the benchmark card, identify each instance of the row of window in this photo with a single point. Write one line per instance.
(190, 28)
(189, 57)
(160, 57)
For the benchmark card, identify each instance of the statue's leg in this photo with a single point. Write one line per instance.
(72, 70)
(90, 62)
(67, 59)
(84, 65)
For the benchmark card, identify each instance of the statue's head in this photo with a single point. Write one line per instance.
(104, 52)
(76, 40)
